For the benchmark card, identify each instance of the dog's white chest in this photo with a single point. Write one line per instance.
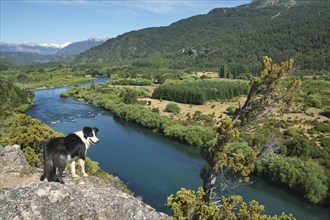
(81, 135)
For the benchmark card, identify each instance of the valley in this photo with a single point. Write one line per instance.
(234, 101)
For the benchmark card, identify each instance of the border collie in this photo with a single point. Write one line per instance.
(60, 151)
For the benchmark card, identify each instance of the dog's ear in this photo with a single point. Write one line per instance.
(95, 130)
(86, 130)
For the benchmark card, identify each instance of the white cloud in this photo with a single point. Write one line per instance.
(176, 6)
(169, 6)
(154, 6)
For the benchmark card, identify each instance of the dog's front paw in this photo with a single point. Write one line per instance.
(74, 175)
(84, 174)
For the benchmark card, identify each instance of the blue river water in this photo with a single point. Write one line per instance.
(151, 165)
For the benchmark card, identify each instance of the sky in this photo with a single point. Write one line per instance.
(61, 21)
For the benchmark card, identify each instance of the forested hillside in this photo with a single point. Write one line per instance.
(22, 58)
(236, 37)
(12, 97)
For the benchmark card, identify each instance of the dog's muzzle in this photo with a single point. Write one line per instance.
(94, 140)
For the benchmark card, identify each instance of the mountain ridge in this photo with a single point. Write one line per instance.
(69, 52)
(30, 53)
(239, 35)
(42, 49)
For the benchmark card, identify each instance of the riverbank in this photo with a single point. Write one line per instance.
(152, 166)
(56, 83)
(109, 99)
(193, 133)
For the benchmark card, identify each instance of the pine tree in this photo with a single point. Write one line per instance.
(223, 71)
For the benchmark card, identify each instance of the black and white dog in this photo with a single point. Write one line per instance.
(59, 151)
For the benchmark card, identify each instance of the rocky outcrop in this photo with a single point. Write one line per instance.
(44, 200)
(83, 198)
(12, 161)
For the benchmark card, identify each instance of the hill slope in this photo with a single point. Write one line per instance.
(69, 52)
(240, 35)
(23, 58)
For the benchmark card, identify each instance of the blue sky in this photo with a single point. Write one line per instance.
(60, 21)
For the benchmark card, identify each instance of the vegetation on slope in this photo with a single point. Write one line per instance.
(12, 97)
(48, 75)
(236, 37)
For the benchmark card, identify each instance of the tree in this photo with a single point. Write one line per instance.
(266, 92)
(130, 97)
(160, 79)
(223, 71)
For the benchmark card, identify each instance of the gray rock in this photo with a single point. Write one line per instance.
(49, 200)
(82, 198)
(12, 161)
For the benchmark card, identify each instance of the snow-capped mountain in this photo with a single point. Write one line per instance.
(81, 46)
(47, 52)
(42, 49)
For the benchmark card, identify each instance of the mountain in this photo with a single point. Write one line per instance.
(23, 54)
(42, 49)
(286, 3)
(23, 58)
(238, 37)
(69, 52)
(27, 53)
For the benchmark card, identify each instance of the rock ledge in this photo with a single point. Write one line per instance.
(83, 198)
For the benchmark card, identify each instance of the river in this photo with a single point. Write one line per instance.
(151, 165)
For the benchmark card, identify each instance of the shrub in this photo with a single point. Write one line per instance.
(322, 127)
(131, 81)
(325, 142)
(306, 177)
(232, 110)
(193, 135)
(297, 143)
(188, 204)
(326, 113)
(130, 97)
(172, 107)
(156, 110)
(198, 116)
(32, 157)
(30, 132)
(313, 100)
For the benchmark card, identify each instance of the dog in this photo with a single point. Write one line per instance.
(60, 151)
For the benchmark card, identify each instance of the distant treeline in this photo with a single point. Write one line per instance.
(131, 81)
(201, 91)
